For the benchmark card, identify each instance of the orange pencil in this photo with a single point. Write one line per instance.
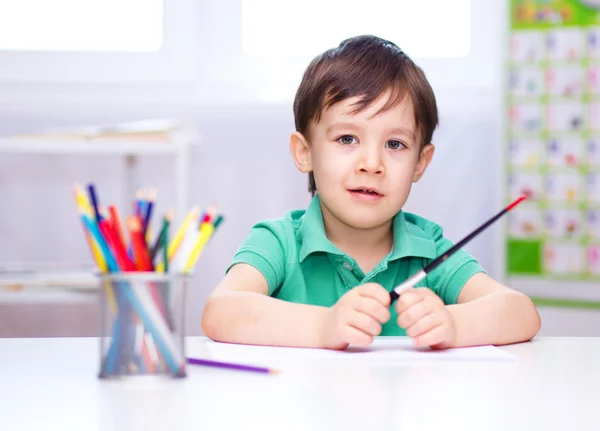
(138, 242)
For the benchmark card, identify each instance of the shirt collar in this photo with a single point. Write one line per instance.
(312, 232)
(409, 240)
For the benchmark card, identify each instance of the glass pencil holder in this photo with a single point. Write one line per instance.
(142, 324)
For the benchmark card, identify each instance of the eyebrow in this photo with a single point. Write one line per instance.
(405, 132)
(349, 126)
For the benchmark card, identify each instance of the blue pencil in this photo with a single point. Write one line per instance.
(94, 201)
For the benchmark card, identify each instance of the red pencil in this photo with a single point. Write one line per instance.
(116, 222)
(143, 262)
(125, 264)
(140, 251)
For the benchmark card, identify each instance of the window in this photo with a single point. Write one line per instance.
(81, 42)
(458, 43)
(423, 29)
(81, 25)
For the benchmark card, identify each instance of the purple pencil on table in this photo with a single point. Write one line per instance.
(230, 366)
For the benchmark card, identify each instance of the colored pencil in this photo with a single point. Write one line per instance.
(395, 294)
(165, 246)
(142, 332)
(231, 366)
(192, 215)
(123, 260)
(148, 213)
(111, 263)
(97, 254)
(94, 201)
(158, 243)
(140, 202)
(208, 216)
(116, 222)
(218, 221)
(85, 208)
(140, 251)
(206, 230)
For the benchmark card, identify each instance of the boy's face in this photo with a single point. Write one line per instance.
(364, 164)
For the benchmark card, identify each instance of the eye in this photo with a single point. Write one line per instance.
(393, 144)
(347, 140)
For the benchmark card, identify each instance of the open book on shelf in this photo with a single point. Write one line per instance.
(159, 130)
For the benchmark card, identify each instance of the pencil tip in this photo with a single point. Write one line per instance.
(195, 211)
(78, 190)
(133, 223)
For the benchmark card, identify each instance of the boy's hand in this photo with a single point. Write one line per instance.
(357, 317)
(426, 319)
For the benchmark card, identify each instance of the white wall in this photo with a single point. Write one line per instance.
(244, 162)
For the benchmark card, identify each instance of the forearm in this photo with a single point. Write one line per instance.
(253, 318)
(498, 318)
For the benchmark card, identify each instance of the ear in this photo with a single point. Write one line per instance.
(424, 160)
(300, 152)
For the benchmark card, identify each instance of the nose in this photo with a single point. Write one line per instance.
(370, 160)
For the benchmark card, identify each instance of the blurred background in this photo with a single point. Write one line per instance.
(228, 71)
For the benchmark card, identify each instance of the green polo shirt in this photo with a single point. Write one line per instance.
(301, 265)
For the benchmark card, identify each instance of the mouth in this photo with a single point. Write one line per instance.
(365, 191)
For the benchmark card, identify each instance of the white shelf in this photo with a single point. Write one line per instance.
(48, 296)
(168, 137)
(35, 283)
(177, 141)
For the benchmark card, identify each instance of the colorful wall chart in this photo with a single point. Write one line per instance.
(553, 132)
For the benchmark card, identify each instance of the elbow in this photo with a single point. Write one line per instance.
(532, 320)
(537, 324)
(209, 323)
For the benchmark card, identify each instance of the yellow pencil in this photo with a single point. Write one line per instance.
(191, 217)
(150, 202)
(206, 231)
(84, 208)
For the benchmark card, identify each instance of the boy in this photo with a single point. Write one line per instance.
(365, 116)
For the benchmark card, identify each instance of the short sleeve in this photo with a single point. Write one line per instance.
(264, 249)
(448, 279)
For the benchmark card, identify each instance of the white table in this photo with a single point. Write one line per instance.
(555, 385)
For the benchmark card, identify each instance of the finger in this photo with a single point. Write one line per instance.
(376, 292)
(433, 337)
(424, 324)
(408, 298)
(411, 315)
(365, 323)
(356, 337)
(372, 308)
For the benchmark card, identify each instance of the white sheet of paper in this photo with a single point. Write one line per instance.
(385, 349)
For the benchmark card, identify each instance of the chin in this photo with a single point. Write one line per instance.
(365, 221)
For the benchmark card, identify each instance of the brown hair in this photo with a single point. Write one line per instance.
(366, 67)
